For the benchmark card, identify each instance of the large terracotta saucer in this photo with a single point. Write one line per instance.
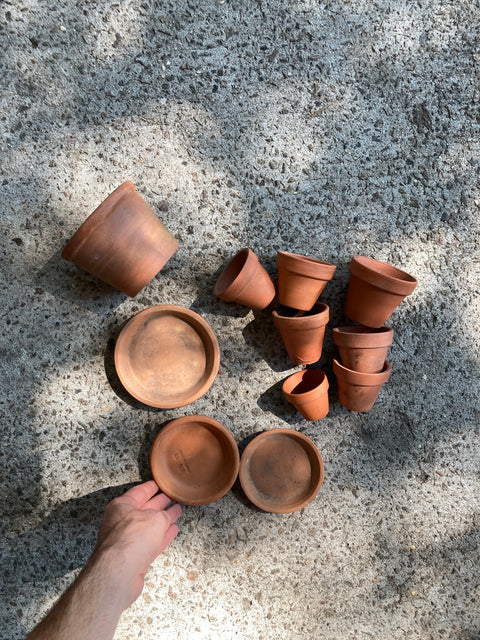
(281, 470)
(194, 460)
(167, 356)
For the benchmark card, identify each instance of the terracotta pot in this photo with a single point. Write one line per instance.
(167, 356)
(375, 290)
(302, 333)
(307, 390)
(362, 348)
(123, 242)
(281, 471)
(245, 281)
(301, 280)
(358, 391)
(194, 460)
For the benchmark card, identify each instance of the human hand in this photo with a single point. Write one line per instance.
(136, 528)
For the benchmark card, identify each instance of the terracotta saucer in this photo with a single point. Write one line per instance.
(281, 471)
(167, 356)
(195, 460)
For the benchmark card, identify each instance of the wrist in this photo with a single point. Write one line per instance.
(106, 567)
(118, 577)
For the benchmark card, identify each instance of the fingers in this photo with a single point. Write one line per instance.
(157, 503)
(139, 495)
(174, 512)
(170, 534)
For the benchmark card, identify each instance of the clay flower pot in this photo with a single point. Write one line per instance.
(301, 280)
(307, 390)
(194, 460)
(167, 356)
(281, 471)
(245, 281)
(123, 242)
(358, 391)
(302, 333)
(375, 290)
(362, 348)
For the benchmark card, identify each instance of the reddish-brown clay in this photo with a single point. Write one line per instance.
(194, 460)
(281, 471)
(123, 242)
(301, 279)
(307, 390)
(363, 348)
(245, 281)
(167, 356)
(375, 290)
(302, 333)
(358, 391)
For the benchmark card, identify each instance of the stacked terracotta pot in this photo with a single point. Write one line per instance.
(375, 291)
(301, 319)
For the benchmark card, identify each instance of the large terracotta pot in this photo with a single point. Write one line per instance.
(358, 391)
(245, 281)
(122, 242)
(301, 280)
(375, 290)
(363, 348)
(307, 390)
(302, 333)
(281, 470)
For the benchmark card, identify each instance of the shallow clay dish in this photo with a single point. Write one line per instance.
(167, 356)
(281, 471)
(194, 460)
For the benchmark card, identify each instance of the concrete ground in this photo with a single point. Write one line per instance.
(325, 128)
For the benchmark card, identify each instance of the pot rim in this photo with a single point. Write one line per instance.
(219, 427)
(88, 227)
(360, 379)
(382, 275)
(305, 266)
(239, 280)
(308, 445)
(362, 337)
(320, 387)
(303, 322)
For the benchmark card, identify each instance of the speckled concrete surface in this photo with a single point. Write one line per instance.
(329, 129)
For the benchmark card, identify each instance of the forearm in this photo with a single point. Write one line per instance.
(90, 608)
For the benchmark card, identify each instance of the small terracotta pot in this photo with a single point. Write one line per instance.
(375, 290)
(195, 460)
(245, 281)
(302, 333)
(362, 348)
(123, 242)
(301, 280)
(358, 391)
(281, 471)
(307, 390)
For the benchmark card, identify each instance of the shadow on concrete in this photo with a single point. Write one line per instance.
(151, 431)
(273, 400)
(67, 282)
(265, 340)
(61, 543)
